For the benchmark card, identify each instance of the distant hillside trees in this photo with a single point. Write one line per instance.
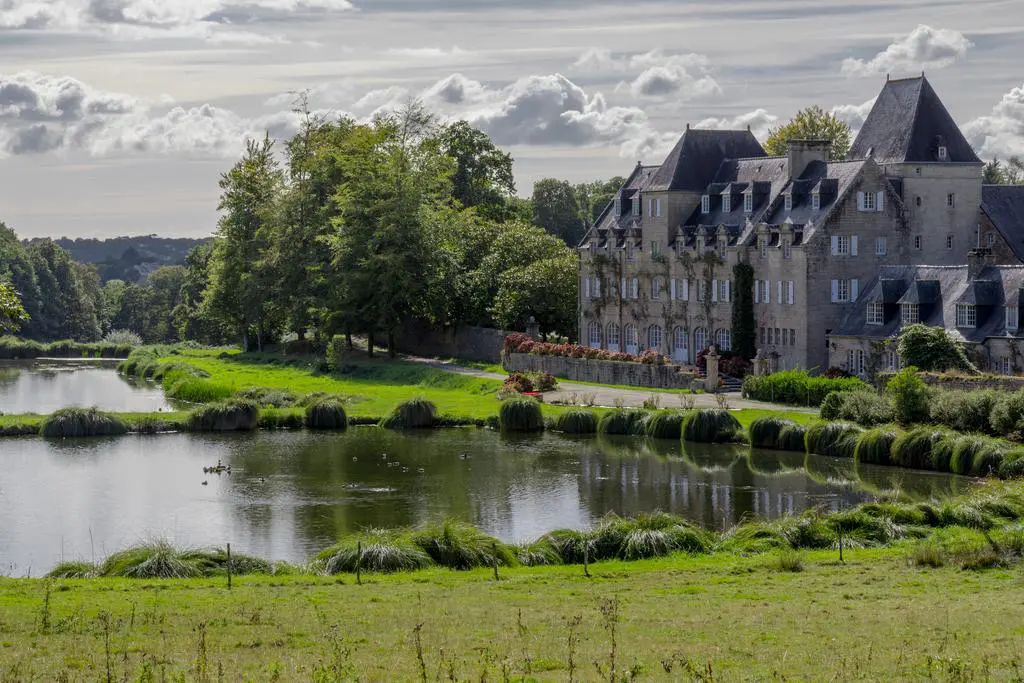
(812, 123)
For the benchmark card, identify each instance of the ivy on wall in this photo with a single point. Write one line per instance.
(744, 326)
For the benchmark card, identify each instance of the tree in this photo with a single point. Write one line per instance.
(933, 349)
(483, 173)
(555, 209)
(592, 198)
(910, 396)
(12, 313)
(545, 289)
(812, 123)
(239, 282)
(997, 172)
(744, 325)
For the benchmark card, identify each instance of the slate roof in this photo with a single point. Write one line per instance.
(1004, 205)
(937, 290)
(907, 124)
(695, 159)
(612, 229)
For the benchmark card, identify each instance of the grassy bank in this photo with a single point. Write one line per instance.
(13, 348)
(726, 617)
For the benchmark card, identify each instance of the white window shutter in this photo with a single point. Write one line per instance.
(853, 245)
(757, 291)
(835, 245)
(686, 290)
(778, 292)
(624, 291)
(860, 201)
(728, 291)
(597, 287)
(854, 289)
(672, 289)
(636, 288)
(835, 291)
(880, 202)
(792, 292)
(714, 291)
(767, 291)
(586, 287)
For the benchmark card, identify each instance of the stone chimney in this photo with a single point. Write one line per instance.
(803, 152)
(977, 261)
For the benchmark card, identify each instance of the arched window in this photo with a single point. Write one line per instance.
(700, 339)
(613, 337)
(654, 336)
(723, 338)
(630, 334)
(594, 335)
(681, 345)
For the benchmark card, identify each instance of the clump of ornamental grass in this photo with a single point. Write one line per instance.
(576, 422)
(214, 562)
(653, 535)
(191, 389)
(326, 413)
(834, 439)
(753, 538)
(765, 432)
(874, 446)
(1012, 466)
(711, 426)
(619, 422)
(789, 560)
(155, 560)
(666, 425)
(416, 413)
(976, 455)
(539, 553)
(520, 415)
(281, 418)
(76, 569)
(68, 423)
(233, 415)
(383, 552)
(792, 437)
(460, 546)
(574, 546)
(269, 398)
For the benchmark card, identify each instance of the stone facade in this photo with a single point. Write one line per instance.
(656, 271)
(468, 342)
(604, 371)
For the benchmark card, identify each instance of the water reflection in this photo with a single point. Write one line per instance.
(45, 386)
(291, 494)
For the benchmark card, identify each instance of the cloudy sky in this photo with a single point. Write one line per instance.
(117, 116)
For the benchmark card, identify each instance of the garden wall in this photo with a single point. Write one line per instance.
(963, 382)
(472, 343)
(604, 371)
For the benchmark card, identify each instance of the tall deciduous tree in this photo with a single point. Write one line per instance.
(812, 123)
(483, 173)
(12, 313)
(555, 209)
(1010, 172)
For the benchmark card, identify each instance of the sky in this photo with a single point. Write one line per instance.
(118, 116)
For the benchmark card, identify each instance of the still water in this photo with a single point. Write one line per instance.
(291, 494)
(43, 387)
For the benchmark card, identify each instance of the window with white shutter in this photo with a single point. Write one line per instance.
(854, 289)
(880, 201)
(586, 287)
(686, 290)
(597, 288)
(881, 246)
(672, 289)
(853, 245)
(860, 201)
(835, 245)
(835, 291)
(767, 291)
(778, 292)
(757, 291)
(625, 290)
(1012, 318)
(636, 288)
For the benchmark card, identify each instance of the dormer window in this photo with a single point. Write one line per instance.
(636, 205)
(910, 314)
(787, 248)
(748, 203)
(816, 201)
(618, 205)
(789, 202)
(966, 315)
(943, 153)
(1012, 318)
(876, 313)
(726, 203)
(705, 204)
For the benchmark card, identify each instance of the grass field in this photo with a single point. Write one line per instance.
(721, 618)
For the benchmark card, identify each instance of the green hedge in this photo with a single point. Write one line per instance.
(797, 388)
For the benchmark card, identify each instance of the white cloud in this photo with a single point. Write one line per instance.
(759, 121)
(659, 74)
(923, 48)
(1001, 132)
(427, 52)
(599, 59)
(853, 115)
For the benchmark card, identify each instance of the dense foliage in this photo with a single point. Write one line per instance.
(933, 348)
(812, 123)
(744, 326)
(797, 387)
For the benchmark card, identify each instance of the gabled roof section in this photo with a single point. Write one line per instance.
(908, 124)
(608, 223)
(697, 156)
(1004, 205)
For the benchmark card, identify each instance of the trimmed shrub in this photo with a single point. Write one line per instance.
(964, 411)
(875, 446)
(665, 425)
(577, 422)
(793, 437)
(797, 387)
(1008, 414)
(835, 439)
(711, 426)
(765, 432)
(910, 396)
(914, 449)
(831, 405)
(383, 551)
(459, 546)
(233, 415)
(416, 413)
(68, 423)
(520, 415)
(866, 408)
(327, 413)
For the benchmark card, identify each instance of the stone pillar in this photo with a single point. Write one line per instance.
(711, 380)
(533, 329)
(760, 364)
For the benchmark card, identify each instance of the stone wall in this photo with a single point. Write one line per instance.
(471, 343)
(604, 371)
(955, 383)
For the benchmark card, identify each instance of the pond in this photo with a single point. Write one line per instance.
(291, 494)
(45, 386)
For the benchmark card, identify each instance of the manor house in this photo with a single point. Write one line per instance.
(657, 269)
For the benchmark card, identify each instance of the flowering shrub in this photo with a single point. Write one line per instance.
(545, 381)
(651, 357)
(735, 366)
(519, 382)
(836, 373)
(521, 343)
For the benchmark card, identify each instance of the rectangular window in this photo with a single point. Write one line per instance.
(951, 200)
(655, 248)
(702, 290)
(842, 245)
(910, 314)
(869, 201)
(778, 292)
(855, 361)
(792, 337)
(762, 336)
(766, 291)
(705, 204)
(748, 203)
(657, 207)
(815, 202)
(630, 252)
(618, 205)
(656, 289)
(770, 338)
(943, 152)
(787, 248)
(881, 246)
(597, 287)
(1012, 318)
(966, 315)
(764, 247)
(840, 291)
(949, 241)
(636, 205)
(990, 239)
(876, 313)
(778, 337)
(917, 242)
(724, 291)
(635, 287)
(789, 202)
(1005, 366)
(726, 203)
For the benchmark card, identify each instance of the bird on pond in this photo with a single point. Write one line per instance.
(206, 483)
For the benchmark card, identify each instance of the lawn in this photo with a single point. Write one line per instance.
(721, 617)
